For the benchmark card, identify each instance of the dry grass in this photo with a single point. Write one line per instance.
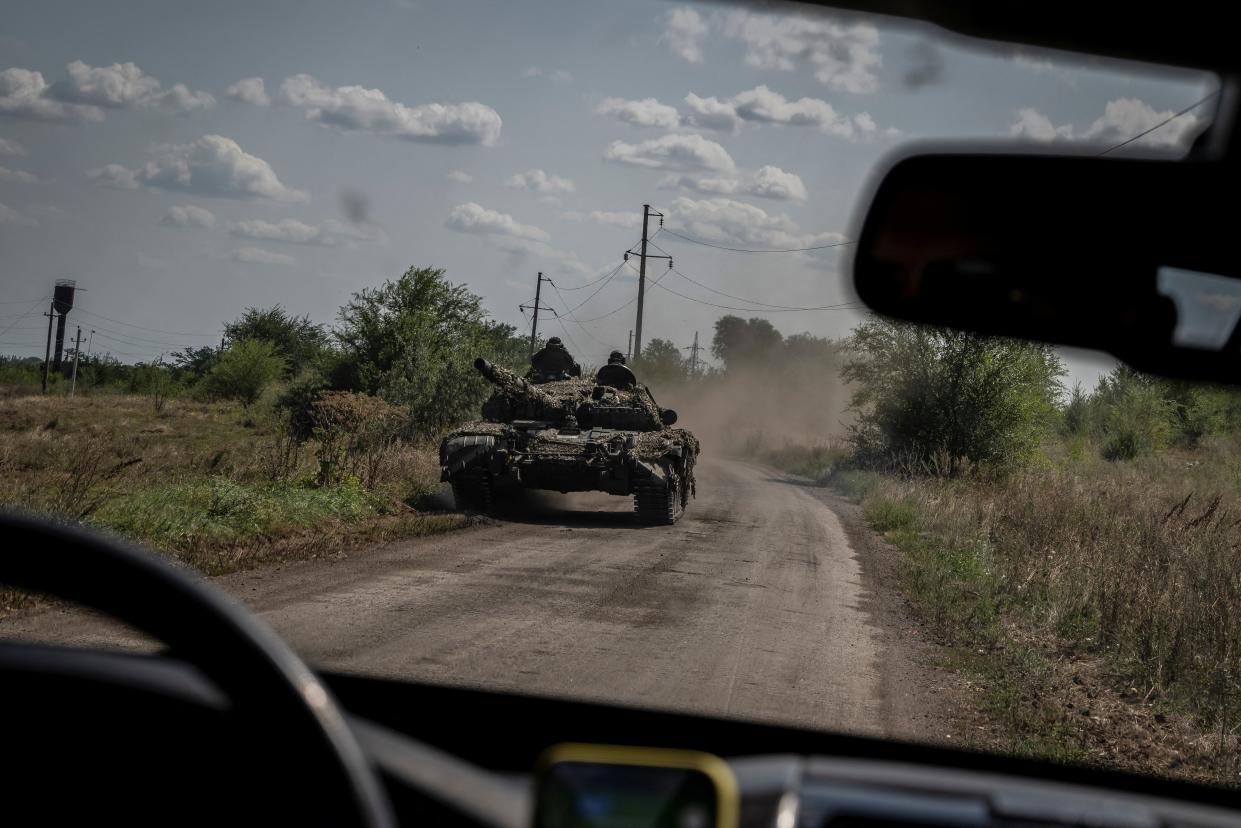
(215, 485)
(1128, 572)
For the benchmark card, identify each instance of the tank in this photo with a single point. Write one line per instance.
(599, 433)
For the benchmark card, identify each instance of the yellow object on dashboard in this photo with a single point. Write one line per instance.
(615, 786)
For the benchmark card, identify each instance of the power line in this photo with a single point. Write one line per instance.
(843, 306)
(608, 279)
(1164, 122)
(142, 328)
(579, 324)
(749, 250)
(627, 304)
(755, 301)
(595, 282)
(33, 307)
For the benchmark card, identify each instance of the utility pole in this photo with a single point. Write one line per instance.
(629, 348)
(534, 329)
(647, 212)
(693, 356)
(47, 354)
(77, 351)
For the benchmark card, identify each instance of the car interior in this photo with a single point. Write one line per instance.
(227, 725)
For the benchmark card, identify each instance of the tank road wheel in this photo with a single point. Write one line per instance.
(660, 506)
(471, 491)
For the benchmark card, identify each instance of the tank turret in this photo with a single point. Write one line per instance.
(517, 398)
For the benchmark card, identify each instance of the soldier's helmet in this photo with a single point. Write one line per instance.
(616, 358)
(554, 340)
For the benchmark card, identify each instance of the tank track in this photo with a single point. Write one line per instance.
(660, 505)
(471, 491)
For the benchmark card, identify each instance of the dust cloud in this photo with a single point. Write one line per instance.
(761, 407)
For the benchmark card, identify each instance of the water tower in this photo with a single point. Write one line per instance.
(62, 303)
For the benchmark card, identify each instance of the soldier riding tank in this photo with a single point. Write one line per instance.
(570, 433)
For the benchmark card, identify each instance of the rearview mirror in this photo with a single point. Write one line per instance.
(1133, 257)
(600, 786)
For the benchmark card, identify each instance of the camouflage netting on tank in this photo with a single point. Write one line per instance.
(653, 445)
(515, 399)
(482, 427)
(547, 447)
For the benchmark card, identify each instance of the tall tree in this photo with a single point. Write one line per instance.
(413, 341)
(295, 338)
(740, 341)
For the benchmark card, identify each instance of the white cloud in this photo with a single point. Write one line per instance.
(18, 176)
(562, 76)
(617, 218)
(460, 177)
(1122, 119)
(765, 182)
(213, 165)
(1125, 117)
(358, 109)
(24, 94)
(673, 152)
(123, 86)
(119, 85)
(684, 32)
(507, 234)
(841, 56)
(712, 113)
(532, 72)
(178, 98)
(13, 148)
(1036, 126)
(539, 181)
(10, 216)
(474, 218)
(114, 176)
(188, 216)
(725, 221)
(761, 105)
(251, 91)
(331, 233)
(647, 112)
(257, 255)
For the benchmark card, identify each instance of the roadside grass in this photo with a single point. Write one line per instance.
(1096, 604)
(214, 485)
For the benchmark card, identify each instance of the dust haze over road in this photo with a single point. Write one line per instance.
(754, 606)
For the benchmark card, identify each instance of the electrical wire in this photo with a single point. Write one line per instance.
(749, 250)
(842, 306)
(1164, 122)
(33, 307)
(595, 282)
(609, 278)
(574, 320)
(755, 301)
(152, 330)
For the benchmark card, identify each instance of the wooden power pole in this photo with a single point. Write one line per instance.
(647, 212)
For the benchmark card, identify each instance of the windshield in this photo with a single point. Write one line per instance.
(251, 254)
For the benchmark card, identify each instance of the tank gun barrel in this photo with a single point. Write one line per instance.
(512, 384)
(497, 375)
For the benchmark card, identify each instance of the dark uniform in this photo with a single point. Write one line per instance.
(553, 362)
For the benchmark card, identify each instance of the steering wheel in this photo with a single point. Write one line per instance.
(264, 680)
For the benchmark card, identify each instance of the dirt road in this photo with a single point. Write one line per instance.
(754, 605)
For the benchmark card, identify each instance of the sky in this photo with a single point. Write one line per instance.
(183, 162)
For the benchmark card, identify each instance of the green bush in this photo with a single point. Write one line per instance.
(936, 400)
(244, 371)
